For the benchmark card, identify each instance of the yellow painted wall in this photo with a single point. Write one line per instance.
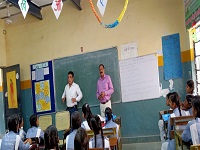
(145, 22)
(2, 44)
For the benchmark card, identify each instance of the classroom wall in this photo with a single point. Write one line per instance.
(145, 22)
(2, 63)
(2, 44)
(2, 125)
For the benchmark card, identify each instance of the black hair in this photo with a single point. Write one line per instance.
(101, 65)
(87, 113)
(33, 120)
(196, 105)
(96, 127)
(168, 95)
(71, 72)
(190, 83)
(189, 98)
(176, 99)
(81, 140)
(108, 113)
(76, 120)
(13, 122)
(20, 119)
(51, 139)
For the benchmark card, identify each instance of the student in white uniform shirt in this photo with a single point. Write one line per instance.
(76, 123)
(187, 105)
(72, 94)
(174, 104)
(87, 115)
(192, 130)
(161, 122)
(22, 133)
(12, 141)
(35, 130)
(98, 141)
(109, 120)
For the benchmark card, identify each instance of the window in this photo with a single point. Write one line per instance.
(197, 58)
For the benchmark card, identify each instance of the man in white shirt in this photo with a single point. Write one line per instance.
(72, 94)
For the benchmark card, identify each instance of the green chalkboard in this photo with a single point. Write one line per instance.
(86, 74)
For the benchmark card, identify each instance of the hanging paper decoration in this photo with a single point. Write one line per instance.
(115, 23)
(101, 4)
(57, 7)
(24, 7)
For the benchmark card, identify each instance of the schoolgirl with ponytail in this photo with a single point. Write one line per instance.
(98, 141)
(175, 105)
(187, 104)
(109, 120)
(87, 115)
(192, 130)
(51, 138)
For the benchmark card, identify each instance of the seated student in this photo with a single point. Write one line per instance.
(109, 120)
(35, 130)
(76, 123)
(87, 115)
(174, 104)
(187, 105)
(161, 123)
(193, 125)
(12, 141)
(22, 133)
(81, 140)
(51, 138)
(98, 141)
(189, 87)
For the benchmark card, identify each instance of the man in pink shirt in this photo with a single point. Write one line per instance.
(104, 90)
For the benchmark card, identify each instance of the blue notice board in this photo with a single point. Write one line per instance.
(172, 56)
(42, 87)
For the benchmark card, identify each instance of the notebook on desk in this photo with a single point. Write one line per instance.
(165, 117)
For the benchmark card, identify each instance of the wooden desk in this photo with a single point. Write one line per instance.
(178, 138)
(106, 132)
(195, 147)
(179, 124)
(110, 133)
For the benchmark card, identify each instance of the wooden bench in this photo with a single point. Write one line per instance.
(179, 124)
(111, 134)
(106, 132)
(195, 147)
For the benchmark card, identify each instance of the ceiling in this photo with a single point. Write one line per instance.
(9, 7)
